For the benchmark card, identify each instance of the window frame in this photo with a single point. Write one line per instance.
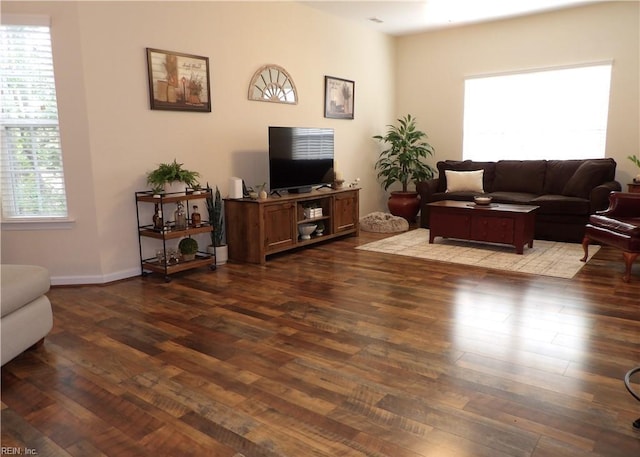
(44, 221)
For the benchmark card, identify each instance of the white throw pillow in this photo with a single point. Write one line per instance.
(461, 181)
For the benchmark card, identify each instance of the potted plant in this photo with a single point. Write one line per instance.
(167, 173)
(403, 162)
(188, 248)
(216, 218)
(636, 161)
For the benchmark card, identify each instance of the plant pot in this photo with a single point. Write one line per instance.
(221, 252)
(175, 188)
(404, 204)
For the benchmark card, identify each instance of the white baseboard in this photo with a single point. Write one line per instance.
(94, 279)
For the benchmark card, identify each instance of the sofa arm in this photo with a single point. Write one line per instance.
(599, 198)
(622, 204)
(426, 189)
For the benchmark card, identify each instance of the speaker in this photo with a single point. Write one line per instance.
(235, 188)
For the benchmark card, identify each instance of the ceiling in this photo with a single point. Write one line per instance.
(401, 17)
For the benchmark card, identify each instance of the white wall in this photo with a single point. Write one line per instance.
(111, 138)
(431, 68)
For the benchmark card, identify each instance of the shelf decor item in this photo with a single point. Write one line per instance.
(180, 218)
(306, 230)
(178, 82)
(339, 97)
(403, 162)
(196, 219)
(188, 248)
(167, 173)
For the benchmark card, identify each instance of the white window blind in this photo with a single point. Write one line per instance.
(31, 177)
(549, 114)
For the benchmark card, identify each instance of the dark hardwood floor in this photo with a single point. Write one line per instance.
(331, 351)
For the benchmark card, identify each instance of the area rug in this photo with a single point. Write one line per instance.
(547, 258)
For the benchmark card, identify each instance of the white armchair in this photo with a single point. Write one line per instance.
(26, 316)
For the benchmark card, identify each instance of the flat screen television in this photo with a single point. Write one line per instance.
(300, 158)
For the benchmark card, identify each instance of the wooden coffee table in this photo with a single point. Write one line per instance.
(494, 223)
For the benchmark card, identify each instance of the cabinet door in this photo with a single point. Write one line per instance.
(345, 212)
(493, 229)
(450, 224)
(279, 226)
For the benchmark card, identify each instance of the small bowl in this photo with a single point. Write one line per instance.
(482, 200)
(306, 230)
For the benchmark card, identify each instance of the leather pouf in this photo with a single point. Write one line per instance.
(404, 204)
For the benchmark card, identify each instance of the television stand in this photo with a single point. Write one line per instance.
(258, 228)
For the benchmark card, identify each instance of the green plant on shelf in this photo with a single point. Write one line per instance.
(188, 247)
(167, 173)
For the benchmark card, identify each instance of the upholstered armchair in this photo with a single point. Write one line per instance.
(617, 226)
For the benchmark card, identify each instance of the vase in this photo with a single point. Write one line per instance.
(221, 253)
(404, 204)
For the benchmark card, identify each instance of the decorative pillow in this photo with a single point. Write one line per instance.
(466, 165)
(588, 176)
(460, 181)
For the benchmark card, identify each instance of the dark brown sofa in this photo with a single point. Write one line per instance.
(567, 191)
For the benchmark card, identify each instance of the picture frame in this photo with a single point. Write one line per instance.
(178, 81)
(339, 98)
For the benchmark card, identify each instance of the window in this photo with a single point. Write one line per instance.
(31, 177)
(550, 114)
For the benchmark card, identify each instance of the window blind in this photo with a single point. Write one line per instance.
(32, 176)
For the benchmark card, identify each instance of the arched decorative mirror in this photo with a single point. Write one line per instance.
(272, 83)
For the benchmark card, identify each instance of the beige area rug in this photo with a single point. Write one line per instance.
(548, 258)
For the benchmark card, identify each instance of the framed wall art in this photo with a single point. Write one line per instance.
(178, 82)
(339, 96)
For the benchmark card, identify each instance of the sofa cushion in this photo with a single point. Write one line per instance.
(21, 284)
(458, 181)
(466, 165)
(588, 175)
(561, 204)
(630, 226)
(558, 174)
(520, 176)
(513, 198)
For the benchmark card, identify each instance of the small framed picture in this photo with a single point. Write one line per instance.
(339, 95)
(178, 82)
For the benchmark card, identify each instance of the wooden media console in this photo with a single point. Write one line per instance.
(258, 228)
